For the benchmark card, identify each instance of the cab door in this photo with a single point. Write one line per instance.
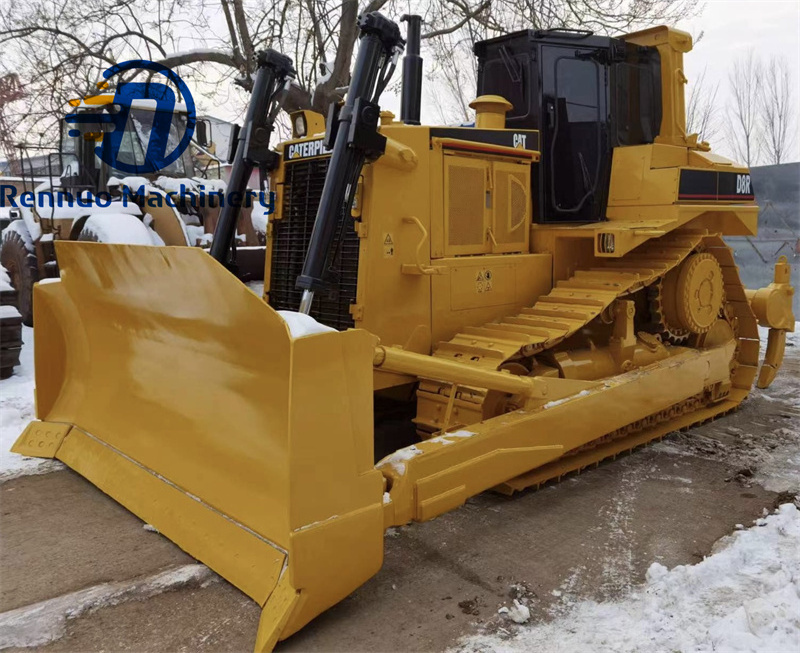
(575, 134)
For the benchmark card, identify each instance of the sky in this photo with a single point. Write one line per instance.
(733, 29)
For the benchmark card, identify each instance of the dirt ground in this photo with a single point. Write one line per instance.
(591, 536)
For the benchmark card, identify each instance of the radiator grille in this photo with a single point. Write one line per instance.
(466, 199)
(303, 181)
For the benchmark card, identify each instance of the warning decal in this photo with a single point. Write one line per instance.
(388, 245)
(483, 281)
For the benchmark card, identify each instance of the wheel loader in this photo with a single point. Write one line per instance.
(142, 208)
(525, 297)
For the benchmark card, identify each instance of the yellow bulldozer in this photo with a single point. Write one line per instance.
(525, 297)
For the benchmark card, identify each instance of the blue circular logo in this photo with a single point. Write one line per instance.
(162, 150)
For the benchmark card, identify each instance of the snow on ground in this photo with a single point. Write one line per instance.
(16, 410)
(40, 623)
(743, 597)
(773, 456)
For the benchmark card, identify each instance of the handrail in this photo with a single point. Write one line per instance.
(419, 267)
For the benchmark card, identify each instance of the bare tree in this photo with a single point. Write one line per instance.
(59, 48)
(743, 110)
(702, 109)
(778, 111)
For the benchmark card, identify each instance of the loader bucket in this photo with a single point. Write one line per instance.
(177, 391)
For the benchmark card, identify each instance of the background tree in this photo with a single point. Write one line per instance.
(778, 110)
(59, 48)
(702, 105)
(702, 109)
(744, 134)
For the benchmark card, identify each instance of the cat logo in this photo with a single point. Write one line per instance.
(519, 141)
(306, 149)
(743, 184)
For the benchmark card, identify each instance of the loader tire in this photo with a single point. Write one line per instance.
(10, 344)
(23, 271)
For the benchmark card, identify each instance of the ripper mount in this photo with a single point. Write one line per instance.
(352, 133)
(273, 75)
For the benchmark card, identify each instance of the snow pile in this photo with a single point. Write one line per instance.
(5, 280)
(197, 236)
(133, 183)
(7, 310)
(259, 216)
(16, 410)
(30, 223)
(302, 325)
(519, 613)
(210, 185)
(743, 597)
(19, 227)
(118, 229)
(176, 184)
(49, 205)
(5, 286)
(40, 623)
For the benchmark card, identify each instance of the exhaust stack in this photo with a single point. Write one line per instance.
(412, 72)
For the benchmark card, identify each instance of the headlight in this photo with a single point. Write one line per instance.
(299, 125)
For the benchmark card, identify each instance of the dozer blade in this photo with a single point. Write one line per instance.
(181, 394)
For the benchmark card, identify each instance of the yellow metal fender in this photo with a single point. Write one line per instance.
(250, 449)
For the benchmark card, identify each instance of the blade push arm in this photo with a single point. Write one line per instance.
(353, 132)
(273, 76)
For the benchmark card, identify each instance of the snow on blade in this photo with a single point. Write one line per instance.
(302, 325)
(16, 410)
(447, 438)
(398, 459)
(256, 286)
(558, 402)
(743, 597)
(40, 623)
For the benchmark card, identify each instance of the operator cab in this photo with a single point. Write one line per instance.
(82, 168)
(586, 95)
